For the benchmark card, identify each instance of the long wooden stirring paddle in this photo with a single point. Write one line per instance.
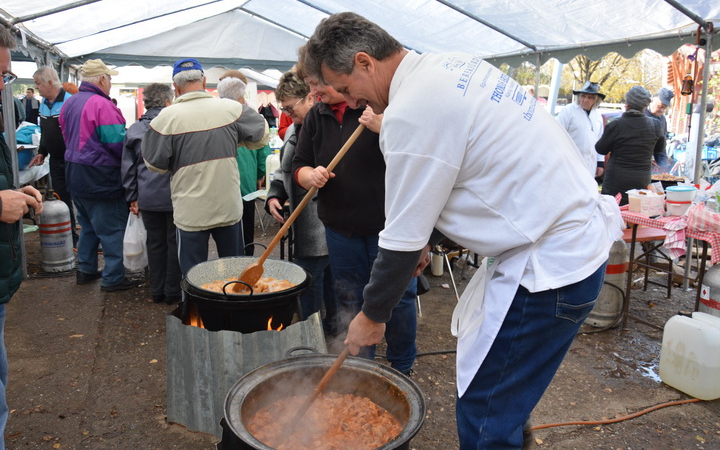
(318, 390)
(254, 271)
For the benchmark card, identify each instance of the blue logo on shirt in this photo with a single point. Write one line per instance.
(468, 71)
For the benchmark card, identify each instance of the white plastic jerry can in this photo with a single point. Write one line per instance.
(690, 355)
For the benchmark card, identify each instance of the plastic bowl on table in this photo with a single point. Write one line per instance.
(681, 193)
(678, 208)
(679, 199)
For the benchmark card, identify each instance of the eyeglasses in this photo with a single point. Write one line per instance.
(290, 110)
(9, 77)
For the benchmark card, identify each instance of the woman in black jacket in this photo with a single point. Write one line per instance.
(631, 141)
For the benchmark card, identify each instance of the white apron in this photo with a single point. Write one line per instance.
(480, 313)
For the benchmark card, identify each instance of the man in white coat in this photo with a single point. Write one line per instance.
(584, 123)
(487, 168)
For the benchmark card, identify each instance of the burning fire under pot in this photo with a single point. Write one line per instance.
(214, 339)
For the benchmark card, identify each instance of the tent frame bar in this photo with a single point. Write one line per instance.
(703, 105)
(53, 11)
(46, 46)
(699, 20)
(548, 51)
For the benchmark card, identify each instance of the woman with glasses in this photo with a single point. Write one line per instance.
(310, 249)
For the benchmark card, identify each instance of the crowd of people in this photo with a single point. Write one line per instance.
(186, 164)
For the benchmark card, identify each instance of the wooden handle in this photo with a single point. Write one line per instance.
(310, 194)
(318, 390)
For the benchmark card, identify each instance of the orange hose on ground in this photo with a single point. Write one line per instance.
(618, 419)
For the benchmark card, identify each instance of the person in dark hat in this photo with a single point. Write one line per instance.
(632, 141)
(656, 110)
(583, 122)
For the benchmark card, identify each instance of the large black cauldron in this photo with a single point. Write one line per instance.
(245, 313)
(300, 374)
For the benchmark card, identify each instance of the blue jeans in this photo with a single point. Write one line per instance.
(320, 292)
(193, 245)
(351, 260)
(4, 411)
(531, 344)
(102, 221)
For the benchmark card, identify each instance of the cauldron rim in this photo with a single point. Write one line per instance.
(252, 380)
(213, 296)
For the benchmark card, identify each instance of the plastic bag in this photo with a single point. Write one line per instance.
(134, 245)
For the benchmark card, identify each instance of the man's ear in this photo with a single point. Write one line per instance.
(364, 61)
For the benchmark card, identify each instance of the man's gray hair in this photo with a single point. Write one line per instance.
(156, 95)
(338, 38)
(94, 80)
(595, 105)
(232, 88)
(188, 76)
(47, 75)
(7, 39)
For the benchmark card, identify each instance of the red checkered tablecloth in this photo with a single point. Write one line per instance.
(674, 225)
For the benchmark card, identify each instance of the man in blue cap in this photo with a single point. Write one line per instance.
(196, 139)
(656, 109)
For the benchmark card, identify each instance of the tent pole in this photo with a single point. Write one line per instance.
(555, 85)
(697, 19)
(700, 128)
(537, 75)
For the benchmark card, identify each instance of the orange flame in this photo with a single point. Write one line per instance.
(196, 321)
(193, 318)
(270, 328)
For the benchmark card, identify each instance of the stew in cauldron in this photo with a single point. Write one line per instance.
(334, 421)
(264, 284)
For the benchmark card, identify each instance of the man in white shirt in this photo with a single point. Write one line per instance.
(584, 123)
(487, 168)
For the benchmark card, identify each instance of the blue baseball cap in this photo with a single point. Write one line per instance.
(186, 64)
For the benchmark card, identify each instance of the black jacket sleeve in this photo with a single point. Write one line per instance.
(390, 276)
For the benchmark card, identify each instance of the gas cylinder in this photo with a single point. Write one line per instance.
(609, 304)
(56, 245)
(710, 292)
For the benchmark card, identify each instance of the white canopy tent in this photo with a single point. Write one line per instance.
(262, 34)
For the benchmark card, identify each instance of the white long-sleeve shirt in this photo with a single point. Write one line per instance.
(585, 130)
(470, 153)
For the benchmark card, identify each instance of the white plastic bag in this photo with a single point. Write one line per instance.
(134, 246)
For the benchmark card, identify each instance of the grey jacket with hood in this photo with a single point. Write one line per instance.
(308, 230)
(150, 189)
